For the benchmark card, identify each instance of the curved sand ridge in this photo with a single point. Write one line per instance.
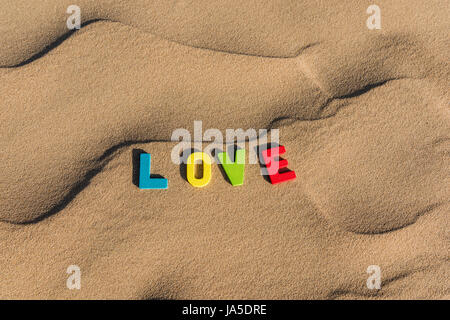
(149, 93)
(258, 241)
(367, 133)
(28, 27)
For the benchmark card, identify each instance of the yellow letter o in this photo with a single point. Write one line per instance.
(190, 174)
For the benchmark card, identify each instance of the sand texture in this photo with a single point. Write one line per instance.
(364, 116)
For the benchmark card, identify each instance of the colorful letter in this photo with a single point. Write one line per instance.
(273, 166)
(144, 175)
(191, 163)
(234, 170)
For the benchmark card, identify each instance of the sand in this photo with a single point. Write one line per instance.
(363, 114)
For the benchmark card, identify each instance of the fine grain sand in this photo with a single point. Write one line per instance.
(363, 114)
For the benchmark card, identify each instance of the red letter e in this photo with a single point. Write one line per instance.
(274, 165)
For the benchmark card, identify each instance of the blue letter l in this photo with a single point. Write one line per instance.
(144, 175)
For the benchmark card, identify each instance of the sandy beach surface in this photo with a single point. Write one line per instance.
(363, 114)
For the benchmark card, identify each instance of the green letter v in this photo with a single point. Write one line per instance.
(234, 170)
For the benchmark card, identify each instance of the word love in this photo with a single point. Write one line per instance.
(276, 168)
